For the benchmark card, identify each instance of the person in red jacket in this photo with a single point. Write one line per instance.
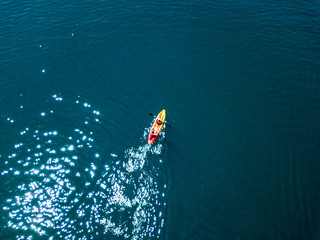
(158, 121)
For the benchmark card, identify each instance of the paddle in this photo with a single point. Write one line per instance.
(152, 115)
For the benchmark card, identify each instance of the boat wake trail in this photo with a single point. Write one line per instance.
(134, 204)
(59, 185)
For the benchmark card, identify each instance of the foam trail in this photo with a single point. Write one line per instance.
(137, 194)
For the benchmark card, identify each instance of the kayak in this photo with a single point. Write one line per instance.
(156, 127)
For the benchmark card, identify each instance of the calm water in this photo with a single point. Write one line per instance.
(241, 85)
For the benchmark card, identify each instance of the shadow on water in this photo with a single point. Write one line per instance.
(58, 183)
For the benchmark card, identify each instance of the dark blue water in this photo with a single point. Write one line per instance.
(240, 82)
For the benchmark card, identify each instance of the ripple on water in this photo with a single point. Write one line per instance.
(59, 188)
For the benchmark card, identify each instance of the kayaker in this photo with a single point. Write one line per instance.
(152, 134)
(158, 121)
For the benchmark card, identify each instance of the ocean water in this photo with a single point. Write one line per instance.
(238, 159)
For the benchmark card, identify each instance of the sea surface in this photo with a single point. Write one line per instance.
(238, 158)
